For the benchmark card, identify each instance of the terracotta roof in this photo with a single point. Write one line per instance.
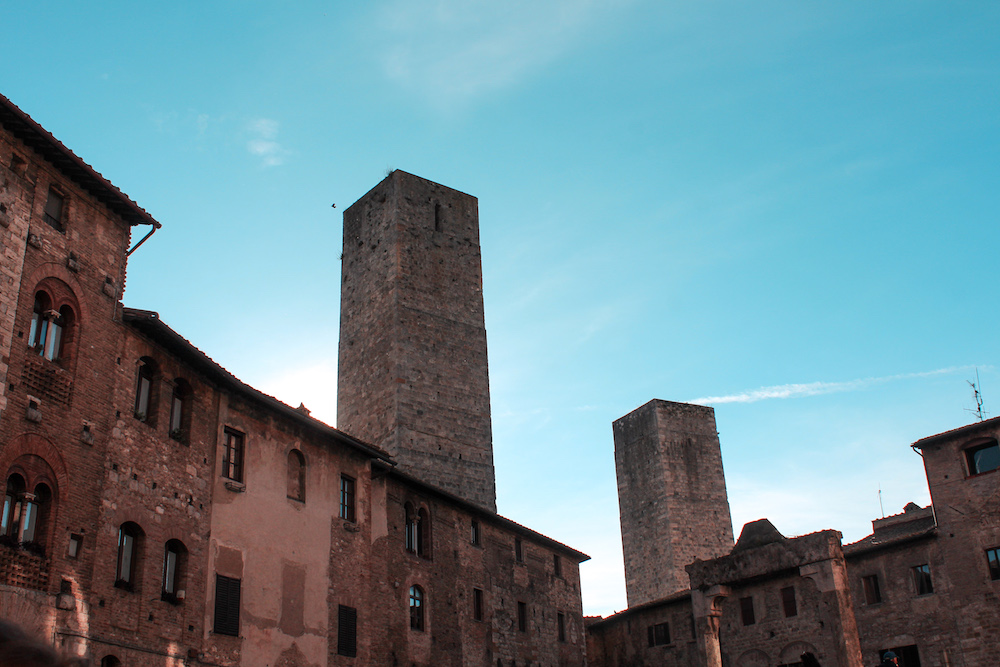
(22, 126)
(149, 323)
(961, 430)
(893, 530)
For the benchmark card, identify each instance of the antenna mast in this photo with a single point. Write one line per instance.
(978, 396)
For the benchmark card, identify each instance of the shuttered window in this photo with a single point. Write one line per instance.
(347, 631)
(227, 605)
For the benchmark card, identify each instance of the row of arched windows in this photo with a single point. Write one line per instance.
(25, 512)
(53, 321)
(147, 398)
(131, 546)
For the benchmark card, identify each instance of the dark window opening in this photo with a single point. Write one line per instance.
(658, 634)
(347, 631)
(296, 473)
(518, 551)
(922, 579)
(174, 564)
(983, 458)
(993, 561)
(746, 611)
(873, 595)
(54, 209)
(416, 608)
(145, 391)
(907, 656)
(522, 616)
(347, 504)
(232, 461)
(561, 626)
(180, 411)
(227, 605)
(474, 536)
(788, 602)
(75, 542)
(129, 542)
(477, 604)
(557, 565)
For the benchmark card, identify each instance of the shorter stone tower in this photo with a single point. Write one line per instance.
(413, 375)
(671, 496)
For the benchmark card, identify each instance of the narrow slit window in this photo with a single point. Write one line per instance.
(54, 209)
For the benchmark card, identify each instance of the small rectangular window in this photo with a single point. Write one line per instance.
(347, 631)
(347, 498)
(227, 605)
(75, 541)
(873, 594)
(746, 611)
(561, 626)
(474, 536)
(993, 561)
(922, 579)
(477, 604)
(518, 551)
(788, 602)
(232, 462)
(557, 565)
(659, 634)
(522, 617)
(54, 209)
(983, 458)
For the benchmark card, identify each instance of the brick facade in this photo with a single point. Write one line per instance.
(182, 517)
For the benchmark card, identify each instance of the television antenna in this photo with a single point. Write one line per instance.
(978, 396)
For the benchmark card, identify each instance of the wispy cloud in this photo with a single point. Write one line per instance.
(817, 388)
(455, 50)
(263, 142)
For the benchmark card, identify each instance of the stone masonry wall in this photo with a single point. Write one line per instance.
(413, 376)
(671, 494)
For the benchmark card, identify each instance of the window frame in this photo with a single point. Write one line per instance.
(522, 616)
(57, 222)
(172, 581)
(518, 550)
(475, 534)
(969, 454)
(871, 589)
(477, 604)
(295, 477)
(234, 454)
(128, 562)
(348, 498)
(993, 563)
(789, 604)
(561, 627)
(145, 400)
(347, 631)
(747, 613)
(658, 634)
(418, 602)
(923, 583)
(228, 594)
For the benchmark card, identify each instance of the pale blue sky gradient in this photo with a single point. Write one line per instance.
(787, 209)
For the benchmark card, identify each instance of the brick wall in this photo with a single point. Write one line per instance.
(671, 495)
(413, 373)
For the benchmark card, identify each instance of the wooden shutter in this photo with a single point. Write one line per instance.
(347, 631)
(227, 605)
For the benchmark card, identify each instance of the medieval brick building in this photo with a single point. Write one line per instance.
(925, 583)
(158, 511)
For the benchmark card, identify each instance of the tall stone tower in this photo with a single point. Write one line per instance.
(413, 377)
(671, 496)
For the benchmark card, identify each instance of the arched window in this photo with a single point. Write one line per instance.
(36, 509)
(145, 391)
(180, 411)
(296, 475)
(129, 551)
(174, 564)
(48, 326)
(13, 497)
(417, 604)
(110, 661)
(983, 457)
(411, 528)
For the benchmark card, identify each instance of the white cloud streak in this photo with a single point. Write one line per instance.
(818, 388)
(263, 144)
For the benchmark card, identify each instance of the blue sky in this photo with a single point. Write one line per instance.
(784, 209)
